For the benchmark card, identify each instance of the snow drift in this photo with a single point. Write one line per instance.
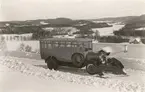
(118, 85)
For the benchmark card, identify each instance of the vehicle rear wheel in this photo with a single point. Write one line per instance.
(52, 63)
(90, 68)
(78, 60)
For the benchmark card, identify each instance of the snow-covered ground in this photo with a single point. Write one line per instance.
(20, 72)
(14, 45)
(135, 51)
(14, 81)
(135, 82)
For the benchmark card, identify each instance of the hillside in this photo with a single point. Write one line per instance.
(51, 21)
(134, 27)
(124, 19)
(56, 22)
(139, 19)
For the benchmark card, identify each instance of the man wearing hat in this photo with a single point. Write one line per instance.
(102, 57)
(104, 52)
(99, 60)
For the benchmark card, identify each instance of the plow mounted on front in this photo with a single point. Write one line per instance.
(113, 66)
(100, 63)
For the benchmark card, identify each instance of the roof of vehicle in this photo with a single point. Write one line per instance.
(67, 39)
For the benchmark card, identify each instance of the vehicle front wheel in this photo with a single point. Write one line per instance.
(52, 63)
(78, 60)
(90, 68)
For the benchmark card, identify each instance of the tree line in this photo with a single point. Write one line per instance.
(130, 32)
(130, 29)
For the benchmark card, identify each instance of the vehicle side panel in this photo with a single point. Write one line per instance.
(62, 52)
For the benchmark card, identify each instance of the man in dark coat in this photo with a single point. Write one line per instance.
(98, 60)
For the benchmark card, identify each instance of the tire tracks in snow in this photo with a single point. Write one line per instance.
(28, 69)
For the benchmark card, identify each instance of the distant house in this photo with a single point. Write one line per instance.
(135, 41)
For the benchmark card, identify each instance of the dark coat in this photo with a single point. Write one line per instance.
(94, 58)
(115, 62)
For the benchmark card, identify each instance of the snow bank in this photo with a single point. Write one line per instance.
(137, 64)
(14, 45)
(3, 46)
(139, 61)
(118, 85)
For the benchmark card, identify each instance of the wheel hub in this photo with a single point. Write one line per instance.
(90, 68)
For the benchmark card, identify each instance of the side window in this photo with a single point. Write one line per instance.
(42, 44)
(45, 44)
(55, 44)
(49, 44)
(80, 44)
(68, 44)
(74, 44)
(90, 44)
(62, 44)
(52, 44)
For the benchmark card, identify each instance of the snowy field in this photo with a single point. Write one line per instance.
(15, 81)
(20, 67)
(136, 51)
(14, 45)
(78, 79)
(30, 67)
(108, 30)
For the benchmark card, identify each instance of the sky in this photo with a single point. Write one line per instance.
(74, 9)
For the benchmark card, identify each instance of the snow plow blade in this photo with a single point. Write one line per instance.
(113, 66)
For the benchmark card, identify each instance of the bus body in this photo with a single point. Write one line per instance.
(64, 48)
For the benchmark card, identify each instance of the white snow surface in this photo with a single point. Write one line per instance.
(106, 31)
(14, 81)
(117, 83)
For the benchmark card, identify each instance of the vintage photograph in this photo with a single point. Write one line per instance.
(72, 45)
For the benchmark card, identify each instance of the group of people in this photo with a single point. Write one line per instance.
(102, 61)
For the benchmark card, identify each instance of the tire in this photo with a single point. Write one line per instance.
(78, 60)
(90, 68)
(52, 63)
